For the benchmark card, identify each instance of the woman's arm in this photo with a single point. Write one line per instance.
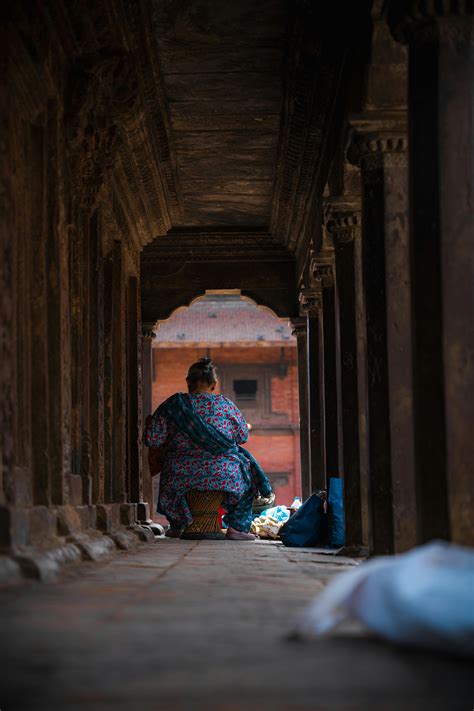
(156, 431)
(239, 425)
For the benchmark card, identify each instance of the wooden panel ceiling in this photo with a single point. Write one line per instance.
(222, 66)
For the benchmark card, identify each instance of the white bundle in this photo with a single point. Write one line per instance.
(266, 527)
(423, 598)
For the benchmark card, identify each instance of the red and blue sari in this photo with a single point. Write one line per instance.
(202, 434)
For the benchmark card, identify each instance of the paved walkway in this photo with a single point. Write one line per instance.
(201, 625)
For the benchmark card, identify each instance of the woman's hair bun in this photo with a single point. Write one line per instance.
(206, 365)
(202, 371)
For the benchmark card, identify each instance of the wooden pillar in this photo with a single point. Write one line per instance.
(382, 157)
(119, 380)
(108, 379)
(96, 360)
(299, 326)
(77, 348)
(57, 267)
(147, 390)
(311, 304)
(134, 395)
(323, 273)
(84, 371)
(344, 227)
(441, 98)
(8, 304)
(38, 313)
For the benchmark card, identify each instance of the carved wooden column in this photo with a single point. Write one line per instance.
(85, 357)
(322, 271)
(311, 304)
(440, 38)
(59, 333)
(38, 297)
(96, 345)
(119, 380)
(109, 325)
(147, 399)
(382, 156)
(134, 393)
(299, 326)
(345, 229)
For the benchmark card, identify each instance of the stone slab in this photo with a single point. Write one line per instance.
(186, 625)
(124, 540)
(143, 533)
(93, 547)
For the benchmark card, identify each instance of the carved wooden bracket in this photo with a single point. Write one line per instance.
(311, 301)
(425, 22)
(322, 272)
(371, 150)
(299, 326)
(103, 95)
(344, 226)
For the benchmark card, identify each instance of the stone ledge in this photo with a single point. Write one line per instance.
(36, 542)
(44, 566)
(28, 563)
(124, 540)
(21, 526)
(10, 571)
(93, 546)
(143, 532)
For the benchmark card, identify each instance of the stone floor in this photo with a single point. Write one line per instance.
(184, 625)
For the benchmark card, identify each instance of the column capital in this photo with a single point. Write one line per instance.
(372, 147)
(148, 333)
(322, 272)
(299, 325)
(421, 22)
(344, 226)
(311, 301)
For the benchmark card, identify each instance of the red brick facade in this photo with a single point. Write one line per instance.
(274, 438)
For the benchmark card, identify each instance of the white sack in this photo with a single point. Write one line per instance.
(423, 598)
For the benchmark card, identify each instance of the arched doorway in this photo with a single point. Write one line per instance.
(256, 356)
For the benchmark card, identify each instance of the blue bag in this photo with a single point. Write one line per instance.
(308, 525)
(336, 513)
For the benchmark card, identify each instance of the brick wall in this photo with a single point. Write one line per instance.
(274, 439)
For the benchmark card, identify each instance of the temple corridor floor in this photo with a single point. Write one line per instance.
(184, 625)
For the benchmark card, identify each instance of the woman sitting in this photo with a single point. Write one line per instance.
(201, 433)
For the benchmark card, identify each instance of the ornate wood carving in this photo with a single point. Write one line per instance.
(299, 326)
(311, 301)
(312, 85)
(322, 272)
(449, 21)
(344, 225)
(376, 149)
(211, 246)
(102, 97)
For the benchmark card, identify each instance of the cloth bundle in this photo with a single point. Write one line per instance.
(422, 598)
(268, 524)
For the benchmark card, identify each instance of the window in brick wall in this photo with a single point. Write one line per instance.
(245, 390)
(249, 385)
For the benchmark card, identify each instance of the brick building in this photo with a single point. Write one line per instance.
(256, 357)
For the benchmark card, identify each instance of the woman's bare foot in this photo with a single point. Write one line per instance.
(234, 535)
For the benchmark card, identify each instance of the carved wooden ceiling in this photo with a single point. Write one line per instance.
(222, 68)
(250, 94)
(205, 129)
(255, 96)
